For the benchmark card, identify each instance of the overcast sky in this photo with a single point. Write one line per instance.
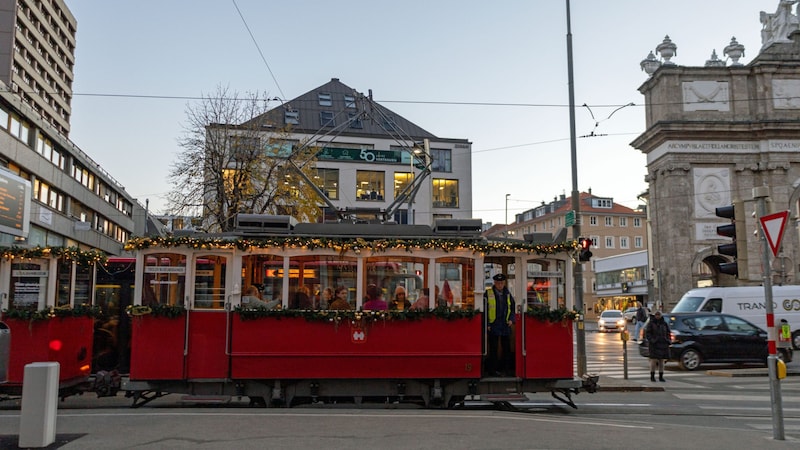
(494, 73)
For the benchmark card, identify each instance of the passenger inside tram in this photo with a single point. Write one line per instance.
(423, 302)
(374, 301)
(400, 301)
(340, 302)
(252, 298)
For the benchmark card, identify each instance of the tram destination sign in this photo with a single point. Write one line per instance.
(15, 204)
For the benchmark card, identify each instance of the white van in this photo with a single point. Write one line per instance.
(747, 303)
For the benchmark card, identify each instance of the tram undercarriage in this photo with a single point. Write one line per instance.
(436, 393)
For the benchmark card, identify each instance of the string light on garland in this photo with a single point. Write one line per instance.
(81, 257)
(351, 245)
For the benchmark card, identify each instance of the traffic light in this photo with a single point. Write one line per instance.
(729, 231)
(585, 254)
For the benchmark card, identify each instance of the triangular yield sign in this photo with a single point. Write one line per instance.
(773, 226)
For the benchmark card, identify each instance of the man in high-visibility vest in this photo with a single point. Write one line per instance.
(500, 314)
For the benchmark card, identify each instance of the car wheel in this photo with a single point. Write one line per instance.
(796, 340)
(690, 359)
(633, 321)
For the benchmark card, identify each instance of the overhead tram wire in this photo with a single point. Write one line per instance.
(259, 49)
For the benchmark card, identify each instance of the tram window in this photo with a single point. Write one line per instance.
(28, 288)
(454, 286)
(264, 272)
(545, 285)
(164, 279)
(310, 275)
(393, 272)
(209, 281)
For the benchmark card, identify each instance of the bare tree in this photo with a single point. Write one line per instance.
(232, 160)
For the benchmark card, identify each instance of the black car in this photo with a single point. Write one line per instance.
(709, 337)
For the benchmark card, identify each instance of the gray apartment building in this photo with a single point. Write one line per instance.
(72, 201)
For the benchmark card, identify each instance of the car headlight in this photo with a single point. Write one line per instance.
(621, 322)
(601, 322)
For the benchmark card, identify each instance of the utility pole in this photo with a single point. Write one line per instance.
(580, 335)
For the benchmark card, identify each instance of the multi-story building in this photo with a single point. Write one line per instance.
(73, 201)
(614, 229)
(37, 55)
(719, 135)
(369, 155)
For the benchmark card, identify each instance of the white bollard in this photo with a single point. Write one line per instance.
(37, 427)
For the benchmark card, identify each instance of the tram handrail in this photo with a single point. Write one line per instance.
(228, 326)
(186, 329)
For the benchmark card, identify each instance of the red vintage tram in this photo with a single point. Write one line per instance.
(194, 331)
(246, 314)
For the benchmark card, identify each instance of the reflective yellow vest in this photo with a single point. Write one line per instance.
(493, 305)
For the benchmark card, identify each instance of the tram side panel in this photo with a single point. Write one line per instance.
(157, 347)
(65, 340)
(548, 347)
(206, 356)
(294, 348)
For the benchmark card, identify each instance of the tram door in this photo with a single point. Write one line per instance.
(207, 325)
(492, 266)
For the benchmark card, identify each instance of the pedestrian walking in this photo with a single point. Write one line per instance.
(641, 319)
(657, 335)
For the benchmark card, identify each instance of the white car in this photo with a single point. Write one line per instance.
(630, 314)
(611, 320)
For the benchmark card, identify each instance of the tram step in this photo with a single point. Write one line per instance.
(515, 397)
(206, 399)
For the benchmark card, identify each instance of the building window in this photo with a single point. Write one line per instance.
(623, 221)
(401, 216)
(324, 99)
(349, 101)
(623, 242)
(595, 240)
(609, 221)
(445, 193)
(328, 182)
(369, 185)
(637, 222)
(355, 120)
(593, 221)
(3, 119)
(609, 241)
(638, 242)
(401, 182)
(441, 160)
(602, 203)
(326, 119)
(291, 117)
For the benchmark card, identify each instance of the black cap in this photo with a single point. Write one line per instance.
(499, 277)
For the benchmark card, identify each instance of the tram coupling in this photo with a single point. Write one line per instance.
(589, 383)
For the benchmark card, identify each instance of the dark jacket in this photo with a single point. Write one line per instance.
(657, 335)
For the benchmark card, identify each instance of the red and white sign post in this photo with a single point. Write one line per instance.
(772, 227)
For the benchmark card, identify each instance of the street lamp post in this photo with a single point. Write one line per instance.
(505, 232)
